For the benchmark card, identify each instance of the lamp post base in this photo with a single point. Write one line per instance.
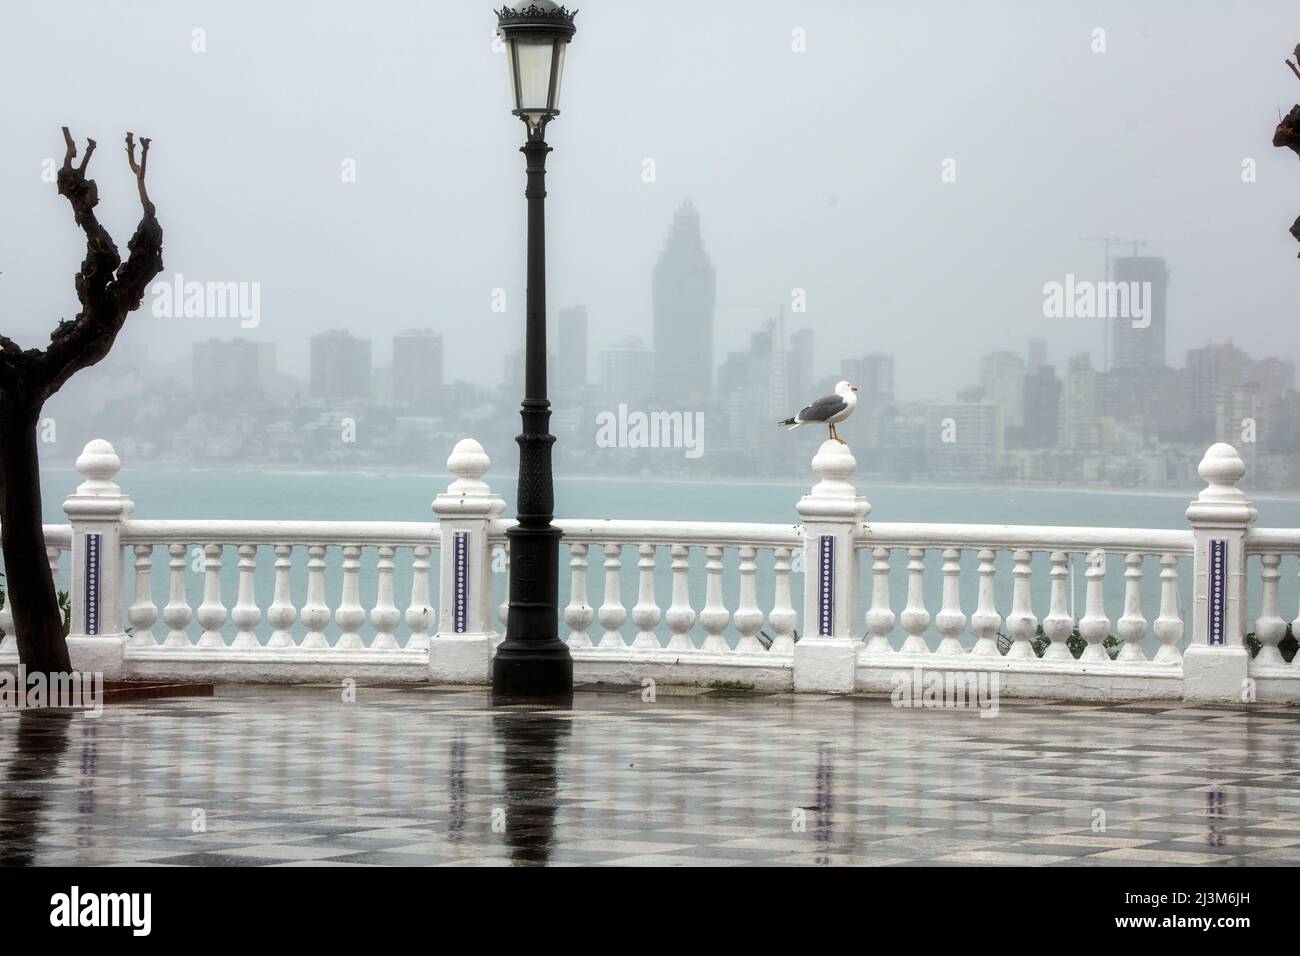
(532, 672)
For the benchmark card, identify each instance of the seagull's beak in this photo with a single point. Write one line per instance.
(854, 387)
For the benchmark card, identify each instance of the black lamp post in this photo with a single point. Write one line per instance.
(533, 661)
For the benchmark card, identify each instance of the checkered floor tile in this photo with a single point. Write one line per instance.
(418, 776)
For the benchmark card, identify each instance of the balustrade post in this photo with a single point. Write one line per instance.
(96, 510)
(461, 651)
(1216, 664)
(826, 656)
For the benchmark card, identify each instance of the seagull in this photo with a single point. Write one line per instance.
(828, 410)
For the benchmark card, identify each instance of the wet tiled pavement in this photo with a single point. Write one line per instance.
(437, 776)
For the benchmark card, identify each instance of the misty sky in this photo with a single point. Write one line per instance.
(818, 170)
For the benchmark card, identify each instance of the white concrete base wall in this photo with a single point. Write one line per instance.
(1209, 674)
(1031, 679)
(632, 668)
(1215, 673)
(461, 658)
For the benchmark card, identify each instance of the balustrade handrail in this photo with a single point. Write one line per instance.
(698, 533)
(57, 535)
(1273, 541)
(1026, 537)
(360, 533)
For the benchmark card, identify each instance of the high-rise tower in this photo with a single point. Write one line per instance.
(684, 288)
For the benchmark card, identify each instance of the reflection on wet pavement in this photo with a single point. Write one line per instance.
(438, 776)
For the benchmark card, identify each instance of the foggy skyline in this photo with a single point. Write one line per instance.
(805, 174)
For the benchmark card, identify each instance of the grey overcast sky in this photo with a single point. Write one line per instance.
(817, 170)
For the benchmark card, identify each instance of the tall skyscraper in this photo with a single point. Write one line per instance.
(235, 371)
(1002, 378)
(1042, 400)
(1037, 354)
(627, 374)
(1078, 425)
(340, 367)
(1133, 347)
(417, 368)
(800, 374)
(572, 358)
(684, 288)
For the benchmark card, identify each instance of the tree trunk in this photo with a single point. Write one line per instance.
(38, 624)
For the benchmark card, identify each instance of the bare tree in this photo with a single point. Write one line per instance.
(1287, 134)
(109, 290)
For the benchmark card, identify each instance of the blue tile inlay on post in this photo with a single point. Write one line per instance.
(826, 585)
(92, 584)
(1218, 590)
(460, 568)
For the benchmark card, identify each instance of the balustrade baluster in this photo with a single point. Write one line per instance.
(681, 616)
(646, 613)
(419, 613)
(143, 613)
(1022, 624)
(986, 621)
(1095, 625)
(315, 614)
(503, 609)
(246, 613)
(1169, 625)
(281, 613)
(748, 617)
(212, 612)
(384, 616)
(915, 618)
(1270, 628)
(579, 614)
(177, 613)
(783, 617)
(1058, 626)
(950, 621)
(1132, 624)
(52, 555)
(349, 615)
(880, 617)
(715, 615)
(612, 614)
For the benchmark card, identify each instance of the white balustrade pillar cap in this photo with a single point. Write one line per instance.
(1221, 501)
(468, 493)
(834, 495)
(99, 495)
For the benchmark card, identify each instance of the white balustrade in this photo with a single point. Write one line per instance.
(1132, 624)
(143, 613)
(384, 616)
(349, 615)
(1169, 625)
(1022, 625)
(783, 617)
(715, 616)
(1270, 628)
(880, 617)
(579, 614)
(246, 614)
(315, 614)
(1058, 626)
(212, 612)
(419, 613)
(612, 614)
(986, 621)
(950, 621)
(915, 618)
(1094, 626)
(646, 613)
(681, 616)
(281, 613)
(177, 613)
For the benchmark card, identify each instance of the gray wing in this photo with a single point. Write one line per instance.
(823, 409)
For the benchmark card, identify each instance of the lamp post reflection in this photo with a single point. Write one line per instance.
(531, 744)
